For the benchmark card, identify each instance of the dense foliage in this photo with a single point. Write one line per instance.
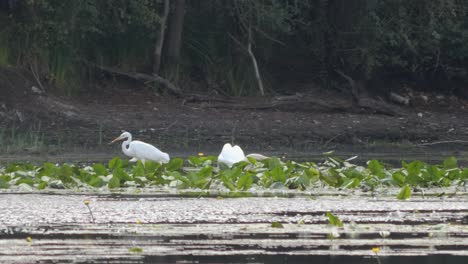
(202, 173)
(305, 40)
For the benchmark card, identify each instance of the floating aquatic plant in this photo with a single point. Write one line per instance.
(203, 173)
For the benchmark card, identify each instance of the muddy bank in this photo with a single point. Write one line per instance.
(33, 123)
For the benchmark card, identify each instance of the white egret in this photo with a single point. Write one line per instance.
(233, 154)
(139, 150)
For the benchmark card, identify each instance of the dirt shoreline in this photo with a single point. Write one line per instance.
(85, 124)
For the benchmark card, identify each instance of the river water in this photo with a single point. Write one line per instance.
(154, 227)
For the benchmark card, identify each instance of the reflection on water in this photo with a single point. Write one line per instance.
(162, 229)
(307, 259)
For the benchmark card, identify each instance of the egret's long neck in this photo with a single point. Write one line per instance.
(125, 146)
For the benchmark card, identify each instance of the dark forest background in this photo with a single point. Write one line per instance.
(239, 47)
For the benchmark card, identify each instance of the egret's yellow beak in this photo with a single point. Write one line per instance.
(115, 140)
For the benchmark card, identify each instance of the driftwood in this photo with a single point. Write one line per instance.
(399, 99)
(366, 102)
(194, 98)
(444, 142)
(285, 103)
(300, 102)
(143, 77)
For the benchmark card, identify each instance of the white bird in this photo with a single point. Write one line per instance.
(230, 155)
(139, 150)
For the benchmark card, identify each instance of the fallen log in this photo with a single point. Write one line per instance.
(307, 104)
(399, 99)
(366, 102)
(143, 77)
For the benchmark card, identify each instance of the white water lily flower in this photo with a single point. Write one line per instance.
(334, 234)
(384, 234)
(45, 178)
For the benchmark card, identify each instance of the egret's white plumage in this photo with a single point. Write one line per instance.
(139, 150)
(232, 154)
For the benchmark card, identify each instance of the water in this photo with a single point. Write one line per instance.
(236, 230)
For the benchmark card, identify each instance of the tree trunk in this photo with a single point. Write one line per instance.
(174, 34)
(328, 37)
(257, 72)
(160, 40)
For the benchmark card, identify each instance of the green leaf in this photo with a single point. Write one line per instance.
(333, 220)
(273, 163)
(450, 163)
(223, 167)
(175, 164)
(277, 225)
(376, 168)
(434, 174)
(233, 173)
(353, 173)
(351, 183)
(228, 183)
(151, 167)
(181, 178)
(121, 174)
(48, 169)
(135, 250)
(414, 172)
(96, 181)
(115, 163)
(405, 193)
(301, 181)
(4, 182)
(313, 174)
(42, 185)
(251, 160)
(65, 173)
(245, 182)
(399, 178)
(464, 174)
(114, 182)
(205, 172)
(100, 169)
(138, 169)
(278, 174)
(331, 177)
(27, 181)
(195, 161)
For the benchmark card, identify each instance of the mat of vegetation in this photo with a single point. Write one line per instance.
(203, 173)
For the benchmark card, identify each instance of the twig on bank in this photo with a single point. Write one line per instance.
(443, 142)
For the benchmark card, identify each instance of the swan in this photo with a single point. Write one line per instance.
(232, 154)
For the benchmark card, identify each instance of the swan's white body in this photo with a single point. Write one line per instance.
(139, 150)
(230, 155)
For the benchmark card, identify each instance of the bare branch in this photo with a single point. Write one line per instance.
(269, 37)
(35, 73)
(160, 40)
(254, 61)
(257, 72)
